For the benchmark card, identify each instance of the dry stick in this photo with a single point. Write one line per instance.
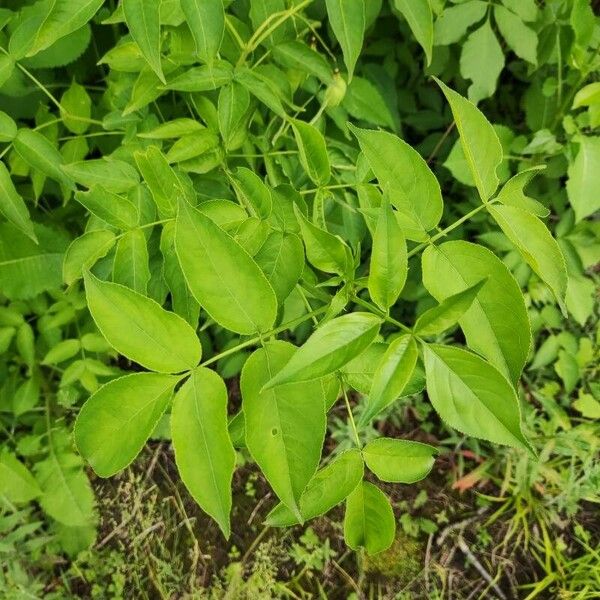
(467, 551)
(347, 576)
(437, 147)
(137, 504)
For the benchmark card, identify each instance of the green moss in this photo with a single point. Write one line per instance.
(401, 561)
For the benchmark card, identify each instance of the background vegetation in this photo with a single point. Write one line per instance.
(75, 84)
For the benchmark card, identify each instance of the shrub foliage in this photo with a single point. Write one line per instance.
(196, 189)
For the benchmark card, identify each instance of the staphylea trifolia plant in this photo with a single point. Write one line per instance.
(251, 205)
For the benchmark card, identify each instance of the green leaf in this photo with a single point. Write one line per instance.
(63, 18)
(405, 176)
(222, 276)
(329, 348)
(140, 329)
(329, 486)
(233, 113)
(203, 451)
(389, 264)
(117, 210)
(359, 372)
(479, 142)
(18, 484)
(172, 129)
(143, 20)
(588, 95)
(325, 251)
(113, 175)
(446, 314)
(7, 67)
(84, 251)
(77, 107)
(454, 21)
(162, 180)
(8, 127)
(392, 375)
(481, 61)
(520, 38)
(67, 495)
(526, 9)
(281, 259)
(312, 152)
(580, 298)
(39, 152)
(262, 89)
(12, 206)
(206, 20)
(130, 267)
(27, 268)
(364, 101)
(347, 20)
(117, 420)
(62, 52)
(536, 245)
(62, 351)
(262, 11)
(588, 406)
(512, 193)
(472, 396)
(202, 79)
(369, 521)
(184, 304)
(252, 193)
(584, 178)
(399, 461)
(192, 145)
(285, 426)
(295, 54)
(145, 90)
(420, 20)
(496, 325)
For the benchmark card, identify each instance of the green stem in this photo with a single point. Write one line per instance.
(234, 32)
(375, 309)
(274, 153)
(306, 302)
(351, 417)
(267, 27)
(447, 230)
(337, 186)
(256, 339)
(50, 95)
